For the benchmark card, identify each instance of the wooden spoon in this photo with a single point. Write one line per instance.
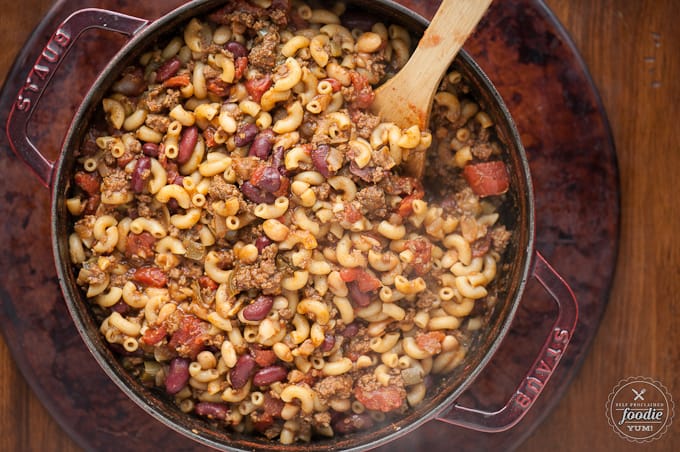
(406, 99)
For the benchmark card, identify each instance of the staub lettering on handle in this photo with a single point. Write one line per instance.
(534, 382)
(43, 67)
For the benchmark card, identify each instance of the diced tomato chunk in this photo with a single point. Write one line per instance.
(335, 83)
(218, 87)
(150, 276)
(92, 204)
(363, 92)
(351, 213)
(405, 207)
(431, 342)
(207, 283)
(177, 81)
(365, 281)
(272, 406)
(487, 178)
(241, 64)
(257, 175)
(387, 398)
(140, 245)
(89, 182)
(189, 339)
(261, 422)
(257, 86)
(264, 358)
(209, 136)
(283, 188)
(154, 335)
(422, 255)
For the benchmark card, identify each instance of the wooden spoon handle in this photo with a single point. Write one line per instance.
(415, 84)
(406, 98)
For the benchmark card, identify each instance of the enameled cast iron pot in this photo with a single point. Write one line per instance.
(517, 214)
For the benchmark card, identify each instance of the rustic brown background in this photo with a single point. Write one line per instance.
(632, 50)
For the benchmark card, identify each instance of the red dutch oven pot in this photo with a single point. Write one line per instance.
(522, 260)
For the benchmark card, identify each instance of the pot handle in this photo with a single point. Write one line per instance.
(541, 370)
(42, 72)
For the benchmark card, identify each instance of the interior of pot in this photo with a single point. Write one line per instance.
(516, 213)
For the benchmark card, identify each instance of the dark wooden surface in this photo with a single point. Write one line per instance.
(631, 50)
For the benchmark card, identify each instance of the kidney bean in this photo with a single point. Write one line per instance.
(319, 155)
(242, 371)
(172, 204)
(262, 242)
(353, 423)
(140, 174)
(212, 410)
(121, 307)
(350, 330)
(150, 149)
(328, 343)
(258, 309)
(168, 69)
(278, 160)
(245, 134)
(359, 298)
(237, 49)
(262, 144)
(256, 194)
(270, 180)
(269, 375)
(187, 143)
(365, 173)
(178, 375)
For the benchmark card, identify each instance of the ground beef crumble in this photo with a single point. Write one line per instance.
(372, 201)
(334, 387)
(115, 182)
(263, 274)
(500, 237)
(159, 99)
(263, 55)
(159, 123)
(364, 123)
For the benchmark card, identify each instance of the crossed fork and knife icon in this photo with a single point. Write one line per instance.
(639, 394)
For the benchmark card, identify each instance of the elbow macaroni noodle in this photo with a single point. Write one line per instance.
(246, 211)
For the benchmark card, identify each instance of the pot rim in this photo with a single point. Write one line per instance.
(195, 429)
